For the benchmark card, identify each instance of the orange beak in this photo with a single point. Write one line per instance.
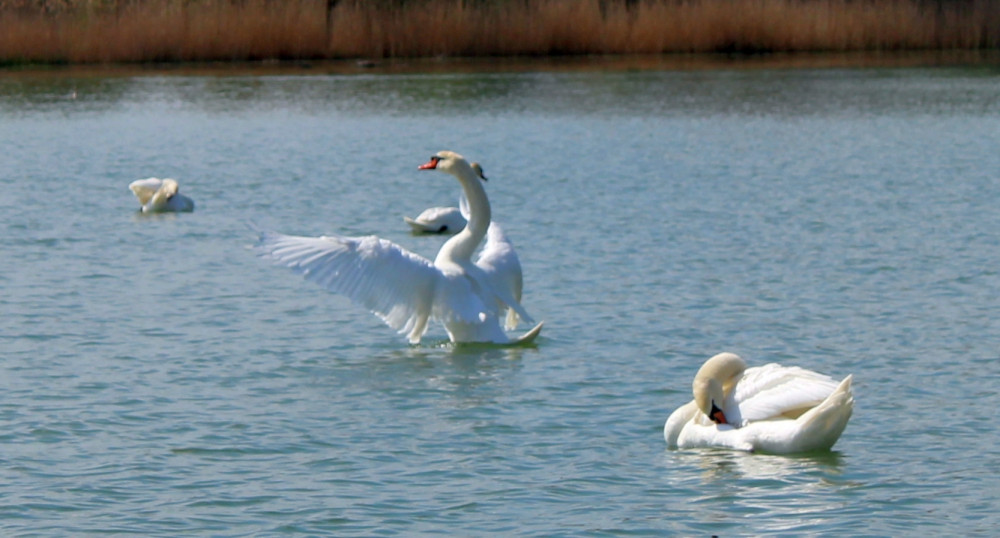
(717, 415)
(429, 165)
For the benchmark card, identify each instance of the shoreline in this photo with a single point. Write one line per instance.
(502, 64)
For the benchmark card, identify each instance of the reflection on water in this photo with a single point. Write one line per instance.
(799, 492)
(727, 466)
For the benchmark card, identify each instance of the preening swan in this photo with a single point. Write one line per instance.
(774, 409)
(407, 290)
(160, 196)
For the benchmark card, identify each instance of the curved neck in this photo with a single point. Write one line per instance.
(463, 244)
(716, 379)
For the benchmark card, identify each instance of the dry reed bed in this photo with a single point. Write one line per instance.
(186, 30)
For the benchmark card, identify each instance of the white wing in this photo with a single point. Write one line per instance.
(392, 282)
(502, 268)
(144, 189)
(770, 391)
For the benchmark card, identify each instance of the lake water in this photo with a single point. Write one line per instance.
(159, 379)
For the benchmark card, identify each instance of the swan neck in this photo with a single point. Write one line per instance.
(716, 379)
(463, 244)
(480, 213)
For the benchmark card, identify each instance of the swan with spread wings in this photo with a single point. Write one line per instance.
(408, 291)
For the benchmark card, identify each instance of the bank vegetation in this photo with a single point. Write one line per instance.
(121, 31)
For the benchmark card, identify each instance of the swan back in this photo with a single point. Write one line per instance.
(817, 429)
(773, 391)
(437, 220)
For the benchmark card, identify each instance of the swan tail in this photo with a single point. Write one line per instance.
(530, 336)
(415, 226)
(821, 426)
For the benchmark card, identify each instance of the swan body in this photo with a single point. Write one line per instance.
(437, 220)
(498, 259)
(774, 409)
(404, 289)
(160, 196)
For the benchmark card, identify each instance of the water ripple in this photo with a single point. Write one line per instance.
(159, 380)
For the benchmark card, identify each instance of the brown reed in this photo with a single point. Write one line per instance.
(119, 31)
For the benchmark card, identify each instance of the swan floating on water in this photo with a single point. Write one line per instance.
(160, 196)
(437, 220)
(407, 290)
(773, 409)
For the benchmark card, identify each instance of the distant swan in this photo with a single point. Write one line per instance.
(407, 290)
(772, 408)
(160, 196)
(436, 220)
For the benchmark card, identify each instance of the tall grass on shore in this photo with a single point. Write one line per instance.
(101, 31)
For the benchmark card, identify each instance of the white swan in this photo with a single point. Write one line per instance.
(160, 196)
(772, 408)
(407, 290)
(498, 259)
(436, 220)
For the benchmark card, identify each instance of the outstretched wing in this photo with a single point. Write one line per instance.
(144, 189)
(390, 281)
(502, 268)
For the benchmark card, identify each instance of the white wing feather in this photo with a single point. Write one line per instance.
(392, 282)
(144, 189)
(502, 268)
(768, 391)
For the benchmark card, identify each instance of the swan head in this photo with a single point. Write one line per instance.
(713, 381)
(478, 169)
(453, 163)
(170, 188)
